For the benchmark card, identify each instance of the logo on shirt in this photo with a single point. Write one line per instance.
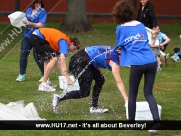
(135, 38)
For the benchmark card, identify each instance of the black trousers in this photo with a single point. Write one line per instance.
(77, 63)
(136, 73)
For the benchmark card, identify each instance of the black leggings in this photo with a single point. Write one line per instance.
(77, 63)
(136, 73)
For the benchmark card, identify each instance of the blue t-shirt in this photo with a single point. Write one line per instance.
(39, 16)
(63, 45)
(162, 37)
(99, 54)
(133, 40)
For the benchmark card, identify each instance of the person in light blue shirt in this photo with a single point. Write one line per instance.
(132, 38)
(163, 39)
(36, 18)
(86, 66)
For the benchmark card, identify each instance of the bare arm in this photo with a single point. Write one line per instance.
(154, 46)
(37, 25)
(167, 40)
(63, 68)
(117, 77)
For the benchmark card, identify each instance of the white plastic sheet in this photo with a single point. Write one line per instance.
(18, 111)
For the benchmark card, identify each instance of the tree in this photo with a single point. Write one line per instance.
(76, 17)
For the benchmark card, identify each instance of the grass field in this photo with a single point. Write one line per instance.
(167, 86)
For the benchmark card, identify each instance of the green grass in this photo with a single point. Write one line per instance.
(166, 90)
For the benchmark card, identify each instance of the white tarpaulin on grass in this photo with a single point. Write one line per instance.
(18, 111)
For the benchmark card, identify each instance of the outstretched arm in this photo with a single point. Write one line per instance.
(63, 68)
(117, 77)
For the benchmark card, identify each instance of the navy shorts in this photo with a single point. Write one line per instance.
(42, 47)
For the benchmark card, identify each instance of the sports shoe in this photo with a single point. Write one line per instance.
(20, 78)
(176, 59)
(55, 102)
(159, 69)
(41, 79)
(50, 83)
(155, 128)
(46, 87)
(98, 110)
(153, 131)
(175, 55)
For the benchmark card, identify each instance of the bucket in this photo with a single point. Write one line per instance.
(143, 111)
(16, 19)
(63, 84)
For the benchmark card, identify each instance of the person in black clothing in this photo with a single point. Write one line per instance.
(146, 14)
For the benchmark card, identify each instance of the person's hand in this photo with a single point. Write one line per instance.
(26, 22)
(180, 36)
(69, 82)
(161, 47)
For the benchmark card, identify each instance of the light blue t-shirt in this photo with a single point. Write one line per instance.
(133, 41)
(63, 45)
(162, 37)
(99, 54)
(39, 16)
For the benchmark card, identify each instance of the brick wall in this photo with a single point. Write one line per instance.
(167, 11)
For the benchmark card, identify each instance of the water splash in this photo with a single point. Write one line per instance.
(104, 53)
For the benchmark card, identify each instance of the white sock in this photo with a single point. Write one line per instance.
(162, 53)
(43, 83)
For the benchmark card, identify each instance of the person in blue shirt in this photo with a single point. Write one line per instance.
(86, 66)
(131, 36)
(164, 41)
(36, 18)
(52, 45)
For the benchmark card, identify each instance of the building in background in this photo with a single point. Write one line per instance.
(98, 11)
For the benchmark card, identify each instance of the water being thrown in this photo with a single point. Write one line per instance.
(67, 89)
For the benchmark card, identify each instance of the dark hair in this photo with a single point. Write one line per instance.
(123, 12)
(37, 1)
(76, 42)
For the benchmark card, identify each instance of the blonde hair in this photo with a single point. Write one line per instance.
(154, 31)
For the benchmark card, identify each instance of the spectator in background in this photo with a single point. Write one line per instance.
(36, 18)
(146, 14)
(164, 40)
(154, 44)
(177, 56)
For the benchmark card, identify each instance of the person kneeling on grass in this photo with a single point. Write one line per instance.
(50, 43)
(92, 59)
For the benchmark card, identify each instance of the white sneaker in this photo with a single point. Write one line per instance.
(46, 88)
(55, 102)
(155, 128)
(50, 83)
(41, 79)
(98, 110)
(153, 131)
